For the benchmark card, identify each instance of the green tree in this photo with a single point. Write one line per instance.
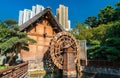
(3, 29)
(117, 11)
(91, 21)
(14, 41)
(113, 30)
(81, 32)
(106, 15)
(99, 32)
(10, 22)
(109, 46)
(103, 34)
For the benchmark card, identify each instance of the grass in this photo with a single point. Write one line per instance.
(4, 67)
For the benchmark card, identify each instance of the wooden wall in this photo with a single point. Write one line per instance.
(37, 32)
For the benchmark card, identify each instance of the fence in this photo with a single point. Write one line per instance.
(18, 71)
(99, 63)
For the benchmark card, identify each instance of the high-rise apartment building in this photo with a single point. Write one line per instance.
(20, 20)
(28, 14)
(69, 24)
(62, 16)
(36, 9)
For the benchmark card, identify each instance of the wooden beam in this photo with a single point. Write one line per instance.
(43, 45)
(41, 35)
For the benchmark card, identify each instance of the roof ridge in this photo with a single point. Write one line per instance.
(37, 16)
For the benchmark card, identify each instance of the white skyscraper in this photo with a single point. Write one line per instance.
(33, 10)
(62, 16)
(21, 13)
(28, 14)
(39, 8)
(69, 25)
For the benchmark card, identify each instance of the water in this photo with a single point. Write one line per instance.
(86, 75)
(50, 75)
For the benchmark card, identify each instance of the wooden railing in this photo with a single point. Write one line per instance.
(18, 71)
(99, 63)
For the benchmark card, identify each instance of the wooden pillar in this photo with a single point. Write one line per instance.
(69, 66)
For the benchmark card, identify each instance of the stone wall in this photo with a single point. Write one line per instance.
(102, 70)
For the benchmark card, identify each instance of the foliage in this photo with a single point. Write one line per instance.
(102, 34)
(3, 29)
(94, 42)
(3, 67)
(109, 48)
(113, 30)
(13, 41)
(99, 32)
(10, 22)
(109, 51)
(91, 21)
(117, 11)
(106, 15)
(81, 32)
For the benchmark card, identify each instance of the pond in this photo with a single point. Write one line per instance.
(49, 75)
(88, 75)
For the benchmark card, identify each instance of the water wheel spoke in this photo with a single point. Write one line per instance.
(59, 46)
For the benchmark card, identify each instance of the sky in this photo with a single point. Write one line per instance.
(78, 10)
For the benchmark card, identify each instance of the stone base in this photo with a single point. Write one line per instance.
(70, 74)
(36, 72)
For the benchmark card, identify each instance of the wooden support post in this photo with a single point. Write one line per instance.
(69, 65)
(78, 62)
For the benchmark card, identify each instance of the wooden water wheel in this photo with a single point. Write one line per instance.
(59, 45)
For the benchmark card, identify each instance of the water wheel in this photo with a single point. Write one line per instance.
(60, 44)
